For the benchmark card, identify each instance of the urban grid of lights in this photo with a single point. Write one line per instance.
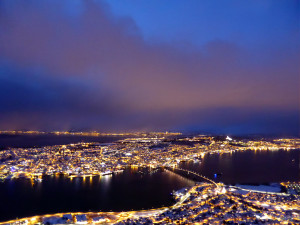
(204, 203)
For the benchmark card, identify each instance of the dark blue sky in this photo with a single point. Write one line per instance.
(221, 66)
(246, 23)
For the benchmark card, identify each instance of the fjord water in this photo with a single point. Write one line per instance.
(130, 190)
(250, 167)
(41, 140)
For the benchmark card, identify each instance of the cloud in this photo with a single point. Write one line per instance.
(97, 71)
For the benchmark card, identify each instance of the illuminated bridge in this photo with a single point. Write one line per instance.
(192, 173)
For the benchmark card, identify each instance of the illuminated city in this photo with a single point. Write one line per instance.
(207, 202)
(131, 112)
(93, 159)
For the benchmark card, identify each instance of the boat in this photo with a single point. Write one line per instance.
(197, 160)
(108, 172)
(118, 171)
(38, 179)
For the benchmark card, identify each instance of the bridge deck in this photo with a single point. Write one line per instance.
(194, 173)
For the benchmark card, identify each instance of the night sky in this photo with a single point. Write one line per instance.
(216, 66)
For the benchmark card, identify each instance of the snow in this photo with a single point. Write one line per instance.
(264, 188)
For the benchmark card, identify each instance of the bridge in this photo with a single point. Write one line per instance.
(217, 185)
(193, 173)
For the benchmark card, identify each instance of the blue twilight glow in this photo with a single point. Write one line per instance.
(210, 66)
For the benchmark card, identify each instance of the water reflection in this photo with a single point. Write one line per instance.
(135, 189)
(250, 166)
(121, 192)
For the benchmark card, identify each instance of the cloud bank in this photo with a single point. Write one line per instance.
(67, 65)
